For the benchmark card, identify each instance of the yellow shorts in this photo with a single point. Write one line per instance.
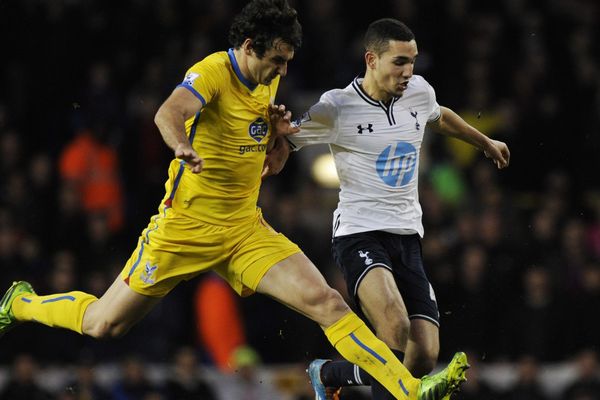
(174, 248)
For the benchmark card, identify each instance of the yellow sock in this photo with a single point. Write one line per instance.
(64, 310)
(357, 344)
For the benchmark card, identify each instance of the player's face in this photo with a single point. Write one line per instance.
(395, 66)
(274, 62)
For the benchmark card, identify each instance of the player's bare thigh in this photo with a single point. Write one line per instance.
(297, 283)
(382, 304)
(116, 311)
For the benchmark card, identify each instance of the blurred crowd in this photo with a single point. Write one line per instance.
(514, 255)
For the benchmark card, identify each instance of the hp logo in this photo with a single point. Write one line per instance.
(396, 164)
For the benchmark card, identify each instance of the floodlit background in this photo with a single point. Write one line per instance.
(514, 255)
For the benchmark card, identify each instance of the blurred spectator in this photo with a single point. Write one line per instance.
(544, 239)
(535, 320)
(587, 384)
(185, 382)
(469, 324)
(584, 327)
(69, 222)
(102, 246)
(134, 384)
(216, 312)
(89, 164)
(22, 385)
(574, 254)
(527, 386)
(84, 387)
(10, 152)
(41, 199)
(245, 383)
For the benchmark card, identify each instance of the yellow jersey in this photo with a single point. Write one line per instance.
(230, 133)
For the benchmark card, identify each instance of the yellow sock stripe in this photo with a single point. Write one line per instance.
(368, 349)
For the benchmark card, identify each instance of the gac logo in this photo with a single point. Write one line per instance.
(258, 129)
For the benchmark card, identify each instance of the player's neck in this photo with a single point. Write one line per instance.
(370, 87)
(242, 62)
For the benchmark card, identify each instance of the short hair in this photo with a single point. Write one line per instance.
(264, 21)
(383, 30)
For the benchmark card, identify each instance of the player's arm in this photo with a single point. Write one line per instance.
(281, 121)
(451, 124)
(278, 149)
(318, 125)
(277, 155)
(170, 119)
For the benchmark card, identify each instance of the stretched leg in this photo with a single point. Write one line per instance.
(110, 316)
(119, 309)
(382, 304)
(297, 283)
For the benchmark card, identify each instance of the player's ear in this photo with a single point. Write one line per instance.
(248, 46)
(370, 59)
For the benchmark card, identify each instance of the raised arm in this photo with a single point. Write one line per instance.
(278, 149)
(451, 124)
(170, 119)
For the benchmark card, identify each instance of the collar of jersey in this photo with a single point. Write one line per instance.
(238, 72)
(363, 95)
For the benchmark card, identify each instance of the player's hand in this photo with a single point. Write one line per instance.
(498, 152)
(276, 158)
(281, 121)
(185, 152)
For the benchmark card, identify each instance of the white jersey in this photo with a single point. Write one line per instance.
(376, 149)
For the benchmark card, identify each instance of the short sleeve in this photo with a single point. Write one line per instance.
(204, 80)
(434, 112)
(318, 125)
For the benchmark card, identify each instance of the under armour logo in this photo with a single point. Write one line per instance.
(414, 114)
(361, 129)
(365, 255)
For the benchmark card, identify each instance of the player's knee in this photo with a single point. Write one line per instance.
(106, 330)
(425, 360)
(394, 330)
(325, 298)
(400, 325)
(392, 322)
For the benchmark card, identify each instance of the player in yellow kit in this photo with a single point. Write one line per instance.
(219, 123)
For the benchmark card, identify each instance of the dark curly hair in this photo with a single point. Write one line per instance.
(263, 21)
(383, 30)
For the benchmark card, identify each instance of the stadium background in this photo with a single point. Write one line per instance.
(514, 255)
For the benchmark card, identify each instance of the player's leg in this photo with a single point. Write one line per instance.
(159, 262)
(366, 260)
(423, 347)
(381, 303)
(420, 336)
(111, 315)
(297, 283)
(419, 357)
(267, 262)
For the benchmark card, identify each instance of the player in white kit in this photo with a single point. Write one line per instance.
(375, 128)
